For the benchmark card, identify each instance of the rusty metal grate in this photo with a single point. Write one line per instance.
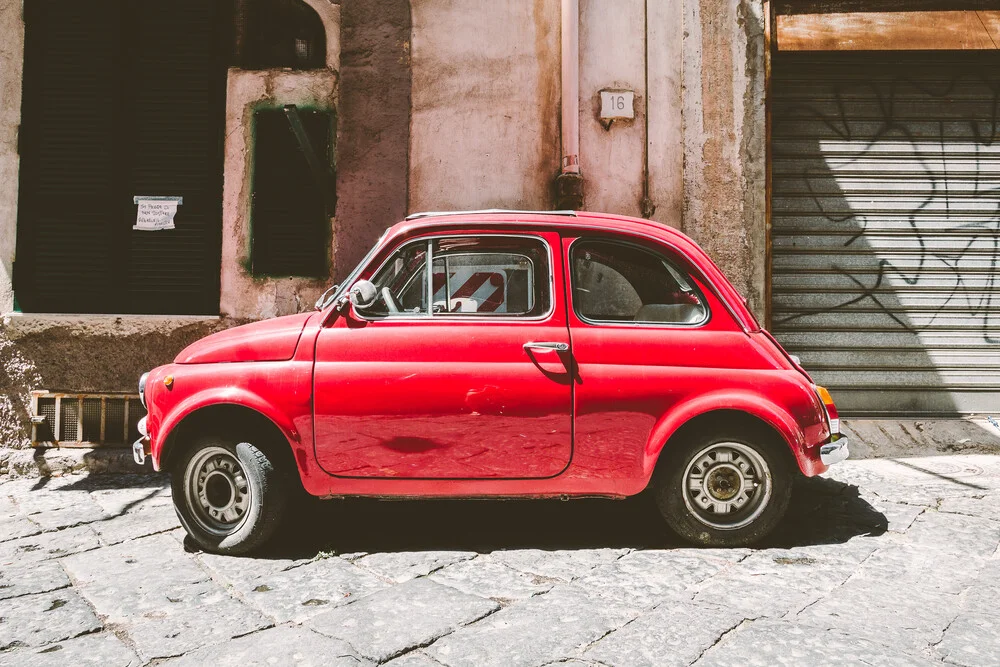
(84, 420)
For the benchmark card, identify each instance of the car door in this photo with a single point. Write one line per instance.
(646, 334)
(456, 373)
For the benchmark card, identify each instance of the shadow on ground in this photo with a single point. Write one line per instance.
(823, 511)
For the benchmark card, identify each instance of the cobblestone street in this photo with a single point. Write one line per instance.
(886, 562)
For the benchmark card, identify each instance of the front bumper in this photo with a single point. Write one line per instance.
(834, 452)
(141, 447)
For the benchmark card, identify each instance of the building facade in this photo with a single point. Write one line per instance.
(171, 169)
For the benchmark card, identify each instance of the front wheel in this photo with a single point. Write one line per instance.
(722, 489)
(228, 496)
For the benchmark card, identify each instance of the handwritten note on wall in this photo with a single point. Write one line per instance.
(156, 213)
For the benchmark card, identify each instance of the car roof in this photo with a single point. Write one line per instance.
(506, 219)
(532, 219)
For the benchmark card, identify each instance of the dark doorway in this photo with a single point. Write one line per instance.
(121, 99)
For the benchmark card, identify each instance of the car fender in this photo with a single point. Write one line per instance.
(754, 404)
(218, 397)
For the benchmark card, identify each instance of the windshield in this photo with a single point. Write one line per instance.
(338, 290)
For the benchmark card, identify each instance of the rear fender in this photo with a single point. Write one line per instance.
(754, 405)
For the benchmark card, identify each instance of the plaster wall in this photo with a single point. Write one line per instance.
(81, 353)
(374, 128)
(244, 295)
(665, 120)
(612, 55)
(11, 69)
(485, 110)
(724, 138)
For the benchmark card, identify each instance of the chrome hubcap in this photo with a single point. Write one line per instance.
(727, 485)
(217, 491)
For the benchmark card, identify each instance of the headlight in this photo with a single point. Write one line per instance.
(142, 389)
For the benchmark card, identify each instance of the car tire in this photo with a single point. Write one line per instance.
(720, 489)
(229, 496)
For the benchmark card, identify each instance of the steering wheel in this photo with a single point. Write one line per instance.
(390, 302)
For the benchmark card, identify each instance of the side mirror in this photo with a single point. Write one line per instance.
(321, 302)
(363, 294)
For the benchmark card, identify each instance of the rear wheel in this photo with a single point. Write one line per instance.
(229, 497)
(722, 489)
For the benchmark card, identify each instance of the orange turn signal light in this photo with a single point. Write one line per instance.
(168, 381)
(824, 395)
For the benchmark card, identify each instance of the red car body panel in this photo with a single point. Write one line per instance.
(267, 340)
(457, 407)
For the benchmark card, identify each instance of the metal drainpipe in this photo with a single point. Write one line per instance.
(569, 183)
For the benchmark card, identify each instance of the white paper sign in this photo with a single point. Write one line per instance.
(156, 213)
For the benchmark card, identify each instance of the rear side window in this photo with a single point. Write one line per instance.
(619, 282)
(487, 276)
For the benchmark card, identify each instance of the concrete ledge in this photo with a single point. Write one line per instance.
(56, 462)
(885, 438)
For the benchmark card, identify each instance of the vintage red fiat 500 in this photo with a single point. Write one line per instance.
(497, 354)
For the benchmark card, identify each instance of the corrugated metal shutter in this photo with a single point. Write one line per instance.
(120, 99)
(886, 227)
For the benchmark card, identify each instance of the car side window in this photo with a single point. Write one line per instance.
(619, 282)
(491, 276)
(484, 276)
(401, 284)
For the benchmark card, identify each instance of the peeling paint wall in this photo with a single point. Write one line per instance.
(242, 294)
(11, 69)
(724, 138)
(485, 119)
(612, 55)
(664, 86)
(374, 129)
(486, 110)
(81, 353)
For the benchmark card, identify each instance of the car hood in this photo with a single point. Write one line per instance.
(268, 340)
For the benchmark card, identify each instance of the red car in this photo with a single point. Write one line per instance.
(497, 354)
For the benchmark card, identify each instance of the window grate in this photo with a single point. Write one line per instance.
(84, 420)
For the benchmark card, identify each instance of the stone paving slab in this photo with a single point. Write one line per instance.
(403, 566)
(284, 645)
(12, 529)
(558, 565)
(37, 620)
(414, 613)
(414, 659)
(46, 546)
(770, 643)
(672, 634)
(299, 593)
(486, 577)
(642, 579)
(773, 584)
(971, 639)
(870, 606)
(16, 581)
(100, 649)
(888, 562)
(133, 525)
(536, 631)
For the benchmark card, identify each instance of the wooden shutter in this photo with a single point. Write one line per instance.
(289, 224)
(121, 99)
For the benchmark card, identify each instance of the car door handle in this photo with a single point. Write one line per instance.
(558, 347)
